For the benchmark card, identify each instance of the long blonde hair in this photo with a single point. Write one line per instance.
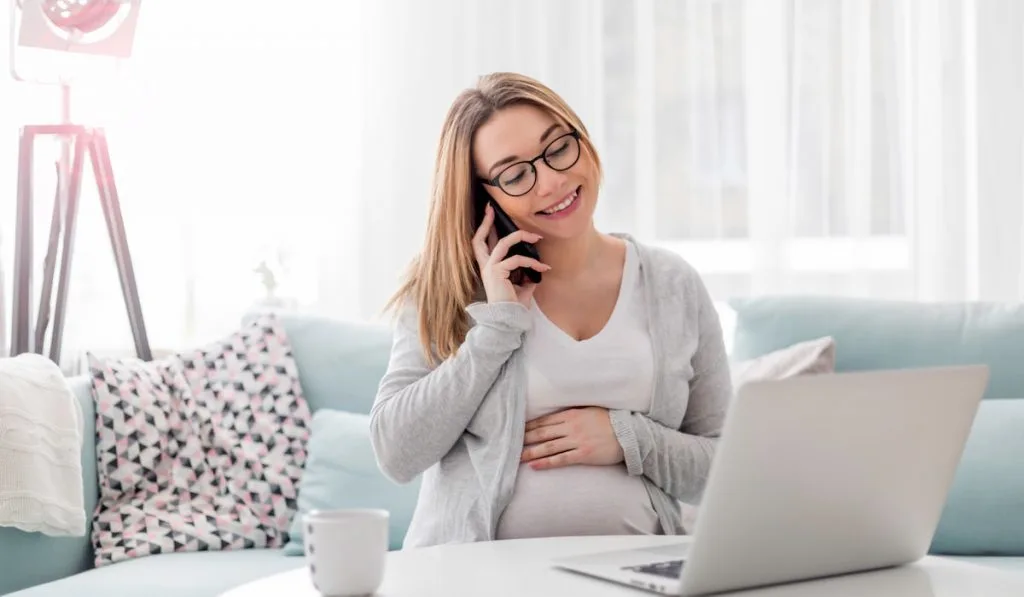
(444, 279)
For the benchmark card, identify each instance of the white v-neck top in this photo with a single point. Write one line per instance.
(613, 369)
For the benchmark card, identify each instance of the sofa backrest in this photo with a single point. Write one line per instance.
(340, 362)
(878, 334)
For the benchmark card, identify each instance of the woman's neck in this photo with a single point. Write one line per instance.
(571, 257)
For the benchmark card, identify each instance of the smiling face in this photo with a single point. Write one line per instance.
(561, 201)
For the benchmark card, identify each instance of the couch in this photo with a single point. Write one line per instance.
(983, 518)
(340, 364)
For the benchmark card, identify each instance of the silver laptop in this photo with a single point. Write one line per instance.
(816, 476)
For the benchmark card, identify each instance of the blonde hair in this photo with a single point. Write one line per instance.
(444, 279)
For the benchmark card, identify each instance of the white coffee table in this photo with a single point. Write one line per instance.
(522, 567)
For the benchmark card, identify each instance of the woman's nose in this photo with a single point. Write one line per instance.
(549, 181)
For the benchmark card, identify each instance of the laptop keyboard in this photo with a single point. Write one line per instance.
(668, 569)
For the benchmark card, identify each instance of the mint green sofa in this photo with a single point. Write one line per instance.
(340, 364)
(983, 520)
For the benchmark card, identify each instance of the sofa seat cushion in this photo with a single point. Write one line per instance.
(183, 574)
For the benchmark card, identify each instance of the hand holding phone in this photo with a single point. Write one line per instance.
(498, 264)
(504, 226)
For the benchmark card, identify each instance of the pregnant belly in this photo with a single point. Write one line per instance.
(577, 500)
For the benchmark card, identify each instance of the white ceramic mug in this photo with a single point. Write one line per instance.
(346, 550)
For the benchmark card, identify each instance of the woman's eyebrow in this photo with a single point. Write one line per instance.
(513, 158)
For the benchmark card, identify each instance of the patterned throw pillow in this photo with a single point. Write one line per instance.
(199, 451)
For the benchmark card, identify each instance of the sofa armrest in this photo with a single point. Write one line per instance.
(30, 559)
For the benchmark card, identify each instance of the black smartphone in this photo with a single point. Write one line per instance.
(503, 226)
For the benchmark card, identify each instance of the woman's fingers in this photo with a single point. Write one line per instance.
(554, 418)
(517, 261)
(555, 446)
(502, 247)
(495, 269)
(543, 434)
(559, 460)
(480, 238)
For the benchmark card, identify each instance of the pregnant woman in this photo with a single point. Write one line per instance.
(588, 402)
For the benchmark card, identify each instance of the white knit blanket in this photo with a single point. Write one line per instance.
(40, 448)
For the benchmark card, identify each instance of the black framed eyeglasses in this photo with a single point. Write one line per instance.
(519, 178)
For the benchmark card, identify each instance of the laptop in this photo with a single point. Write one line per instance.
(815, 476)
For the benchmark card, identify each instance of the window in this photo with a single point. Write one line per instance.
(759, 137)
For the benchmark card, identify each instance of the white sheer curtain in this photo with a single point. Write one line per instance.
(835, 147)
(859, 147)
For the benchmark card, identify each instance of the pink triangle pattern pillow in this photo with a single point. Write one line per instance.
(199, 451)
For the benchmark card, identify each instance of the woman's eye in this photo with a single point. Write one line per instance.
(559, 150)
(514, 176)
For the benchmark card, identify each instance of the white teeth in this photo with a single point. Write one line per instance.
(564, 204)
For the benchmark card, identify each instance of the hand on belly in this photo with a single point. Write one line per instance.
(572, 436)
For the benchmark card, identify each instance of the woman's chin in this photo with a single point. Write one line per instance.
(563, 233)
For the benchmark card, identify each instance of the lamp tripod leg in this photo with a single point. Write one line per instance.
(57, 222)
(21, 341)
(24, 337)
(74, 188)
(104, 174)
